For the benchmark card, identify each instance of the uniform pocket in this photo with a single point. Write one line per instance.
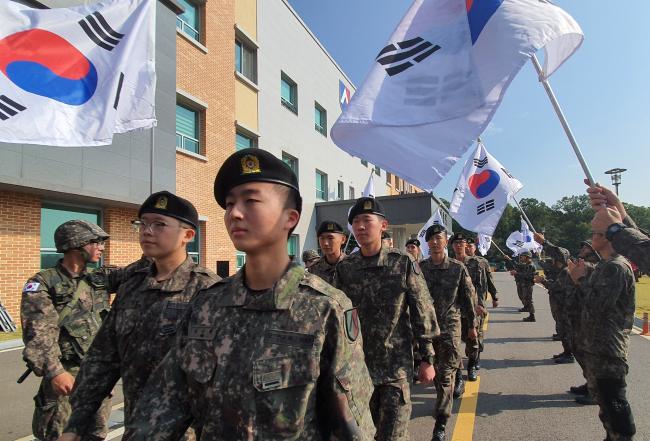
(198, 361)
(283, 387)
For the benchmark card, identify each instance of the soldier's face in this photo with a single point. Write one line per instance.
(94, 251)
(331, 243)
(459, 247)
(164, 236)
(367, 228)
(437, 243)
(470, 249)
(256, 217)
(412, 249)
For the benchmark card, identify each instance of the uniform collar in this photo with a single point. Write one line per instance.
(178, 280)
(443, 265)
(62, 269)
(378, 260)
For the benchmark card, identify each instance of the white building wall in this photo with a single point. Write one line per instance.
(287, 45)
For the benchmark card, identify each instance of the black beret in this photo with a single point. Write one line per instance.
(169, 204)
(526, 253)
(458, 236)
(413, 242)
(434, 229)
(252, 165)
(366, 205)
(385, 235)
(470, 241)
(329, 226)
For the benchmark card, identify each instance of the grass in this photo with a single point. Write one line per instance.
(5, 336)
(643, 296)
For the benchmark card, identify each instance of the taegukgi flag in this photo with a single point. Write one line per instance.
(75, 76)
(369, 189)
(436, 218)
(482, 192)
(437, 83)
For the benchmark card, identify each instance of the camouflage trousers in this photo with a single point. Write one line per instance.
(448, 355)
(525, 293)
(472, 347)
(555, 307)
(390, 406)
(606, 383)
(52, 411)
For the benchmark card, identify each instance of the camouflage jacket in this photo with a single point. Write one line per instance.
(134, 338)
(394, 306)
(281, 364)
(489, 281)
(634, 245)
(324, 269)
(608, 308)
(525, 273)
(47, 297)
(574, 297)
(477, 273)
(452, 292)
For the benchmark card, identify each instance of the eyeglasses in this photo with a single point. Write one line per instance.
(155, 227)
(596, 233)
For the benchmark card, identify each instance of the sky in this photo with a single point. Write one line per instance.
(604, 91)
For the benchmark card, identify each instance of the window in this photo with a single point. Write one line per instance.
(321, 186)
(244, 141)
(241, 259)
(194, 247)
(377, 170)
(246, 60)
(51, 218)
(188, 21)
(291, 162)
(351, 192)
(340, 190)
(389, 178)
(187, 129)
(289, 93)
(320, 119)
(364, 162)
(292, 246)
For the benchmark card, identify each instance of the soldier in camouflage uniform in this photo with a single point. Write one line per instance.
(606, 321)
(61, 311)
(485, 264)
(310, 258)
(452, 292)
(142, 324)
(473, 346)
(331, 238)
(272, 353)
(413, 248)
(394, 304)
(524, 273)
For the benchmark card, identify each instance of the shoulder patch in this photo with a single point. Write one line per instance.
(352, 326)
(31, 287)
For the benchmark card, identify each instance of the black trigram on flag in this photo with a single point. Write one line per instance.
(9, 108)
(487, 206)
(402, 55)
(100, 32)
(480, 163)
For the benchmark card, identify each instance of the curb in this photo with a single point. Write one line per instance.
(11, 344)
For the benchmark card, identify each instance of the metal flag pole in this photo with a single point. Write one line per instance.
(153, 129)
(530, 224)
(500, 250)
(563, 120)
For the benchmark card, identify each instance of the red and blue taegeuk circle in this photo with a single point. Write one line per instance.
(484, 183)
(45, 64)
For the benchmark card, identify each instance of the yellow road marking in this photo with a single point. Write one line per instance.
(464, 428)
(485, 322)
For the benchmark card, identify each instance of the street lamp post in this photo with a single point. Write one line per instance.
(616, 177)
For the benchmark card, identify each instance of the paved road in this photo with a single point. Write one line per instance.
(521, 392)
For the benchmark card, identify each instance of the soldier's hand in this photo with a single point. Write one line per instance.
(495, 303)
(604, 218)
(480, 310)
(576, 270)
(472, 334)
(69, 436)
(426, 373)
(600, 197)
(62, 384)
(539, 279)
(539, 238)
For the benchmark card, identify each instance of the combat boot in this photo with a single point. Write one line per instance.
(472, 374)
(477, 363)
(579, 390)
(524, 309)
(530, 318)
(566, 358)
(586, 399)
(459, 385)
(439, 431)
(556, 337)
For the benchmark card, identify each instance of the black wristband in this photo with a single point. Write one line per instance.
(613, 229)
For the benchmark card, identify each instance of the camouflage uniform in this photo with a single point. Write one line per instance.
(473, 348)
(606, 321)
(281, 364)
(524, 280)
(324, 269)
(452, 292)
(635, 245)
(134, 338)
(556, 282)
(57, 331)
(394, 306)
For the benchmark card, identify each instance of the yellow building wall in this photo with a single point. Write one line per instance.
(245, 105)
(246, 17)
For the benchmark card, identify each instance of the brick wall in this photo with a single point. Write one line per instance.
(20, 240)
(123, 247)
(210, 77)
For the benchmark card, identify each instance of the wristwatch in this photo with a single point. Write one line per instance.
(613, 229)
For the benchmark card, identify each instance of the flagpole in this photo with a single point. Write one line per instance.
(497, 247)
(563, 121)
(530, 224)
(151, 155)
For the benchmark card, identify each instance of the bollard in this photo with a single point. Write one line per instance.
(646, 329)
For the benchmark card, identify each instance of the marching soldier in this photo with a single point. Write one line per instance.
(331, 238)
(413, 248)
(390, 293)
(452, 292)
(491, 288)
(524, 273)
(142, 324)
(271, 353)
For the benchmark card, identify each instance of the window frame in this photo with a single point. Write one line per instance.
(293, 90)
(194, 34)
(322, 127)
(340, 190)
(287, 157)
(199, 128)
(241, 46)
(325, 191)
(293, 238)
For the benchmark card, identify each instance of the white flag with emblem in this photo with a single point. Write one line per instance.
(520, 241)
(369, 189)
(76, 76)
(437, 83)
(436, 218)
(482, 192)
(484, 243)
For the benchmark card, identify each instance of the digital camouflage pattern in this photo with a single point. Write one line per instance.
(76, 234)
(395, 308)
(57, 331)
(324, 269)
(524, 278)
(281, 364)
(452, 291)
(134, 338)
(634, 245)
(556, 281)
